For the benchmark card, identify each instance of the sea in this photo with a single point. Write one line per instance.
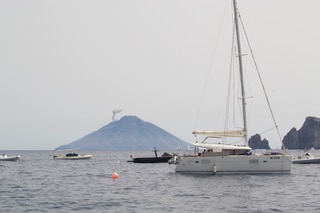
(37, 183)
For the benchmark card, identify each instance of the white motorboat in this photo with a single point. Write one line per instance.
(223, 158)
(307, 158)
(4, 157)
(71, 156)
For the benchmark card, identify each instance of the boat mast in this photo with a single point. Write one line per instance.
(241, 72)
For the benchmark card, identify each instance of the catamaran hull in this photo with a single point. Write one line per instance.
(264, 164)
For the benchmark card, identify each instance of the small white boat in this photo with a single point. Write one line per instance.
(307, 158)
(71, 156)
(4, 157)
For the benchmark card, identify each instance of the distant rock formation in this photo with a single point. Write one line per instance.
(305, 138)
(128, 134)
(255, 142)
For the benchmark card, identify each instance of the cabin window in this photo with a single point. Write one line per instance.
(205, 161)
(254, 161)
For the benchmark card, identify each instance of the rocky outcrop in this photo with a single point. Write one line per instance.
(128, 134)
(255, 142)
(308, 136)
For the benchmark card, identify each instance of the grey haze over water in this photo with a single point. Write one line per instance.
(40, 184)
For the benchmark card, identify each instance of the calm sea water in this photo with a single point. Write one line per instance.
(38, 183)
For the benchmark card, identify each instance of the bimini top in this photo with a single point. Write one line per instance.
(222, 134)
(234, 133)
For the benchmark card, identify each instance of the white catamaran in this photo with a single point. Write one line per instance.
(233, 159)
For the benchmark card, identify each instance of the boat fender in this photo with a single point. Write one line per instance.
(214, 169)
(175, 159)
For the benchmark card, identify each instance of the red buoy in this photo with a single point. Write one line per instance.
(115, 175)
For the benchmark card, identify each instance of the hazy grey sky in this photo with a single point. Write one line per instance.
(65, 65)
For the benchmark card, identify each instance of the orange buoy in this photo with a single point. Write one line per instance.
(115, 175)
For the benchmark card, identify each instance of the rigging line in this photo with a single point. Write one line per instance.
(260, 78)
(230, 85)
(210, 67)
(267, 130)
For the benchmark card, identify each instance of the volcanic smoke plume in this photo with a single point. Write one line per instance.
(114, 112)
